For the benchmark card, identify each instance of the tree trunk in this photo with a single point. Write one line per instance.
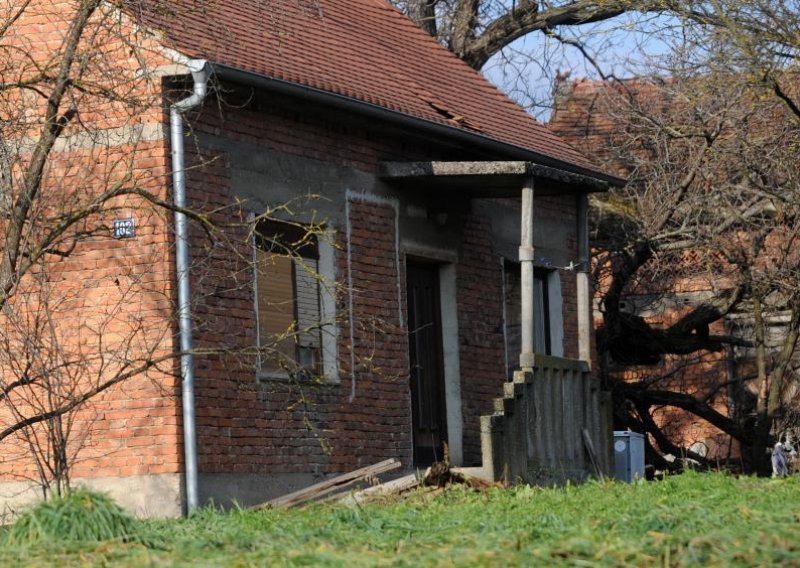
(423, 13)
(763, 423)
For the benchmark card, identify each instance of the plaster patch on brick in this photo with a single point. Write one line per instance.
(175, 56)
(96, 139)
(329, 328)
(170, 70)
(351, 312)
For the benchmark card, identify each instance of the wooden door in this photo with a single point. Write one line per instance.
(428, 408)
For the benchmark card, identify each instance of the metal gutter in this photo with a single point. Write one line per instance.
(370, 110)
(200, 74)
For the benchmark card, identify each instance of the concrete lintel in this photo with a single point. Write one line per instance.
(400, 170)
(586, 183)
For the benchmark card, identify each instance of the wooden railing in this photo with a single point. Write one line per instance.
(536, 433)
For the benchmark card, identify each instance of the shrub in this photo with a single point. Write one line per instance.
(78, 516)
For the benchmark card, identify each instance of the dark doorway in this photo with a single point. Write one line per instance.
(429, 416)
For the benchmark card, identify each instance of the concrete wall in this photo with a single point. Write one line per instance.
(535, 434)
(144, 496)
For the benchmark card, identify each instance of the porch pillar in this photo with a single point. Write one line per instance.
(585, 323)
(526, 257)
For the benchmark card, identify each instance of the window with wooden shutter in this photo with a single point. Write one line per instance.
(288, 299)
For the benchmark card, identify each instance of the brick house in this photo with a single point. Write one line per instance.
(412, 168)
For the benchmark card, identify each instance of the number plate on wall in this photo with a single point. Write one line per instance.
(124, 228)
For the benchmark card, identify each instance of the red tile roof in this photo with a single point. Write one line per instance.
(361, 49)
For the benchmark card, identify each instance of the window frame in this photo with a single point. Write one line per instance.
(542, 275)
(322, 250)
(549, 280)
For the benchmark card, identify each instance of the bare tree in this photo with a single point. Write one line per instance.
(709, 216)
(477, 30)
(602, 38)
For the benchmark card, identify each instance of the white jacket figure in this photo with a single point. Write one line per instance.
(780, 463)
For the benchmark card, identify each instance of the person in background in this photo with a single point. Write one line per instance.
(780, 462)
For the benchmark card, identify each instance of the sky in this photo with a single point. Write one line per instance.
(625, 46)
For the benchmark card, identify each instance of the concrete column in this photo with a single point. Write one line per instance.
(526, 256)
(585, 324)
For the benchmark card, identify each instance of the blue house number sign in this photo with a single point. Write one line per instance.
(124, 228)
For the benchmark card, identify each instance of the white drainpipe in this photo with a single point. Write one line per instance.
(200, 74)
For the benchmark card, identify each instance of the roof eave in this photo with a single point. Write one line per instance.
(237, 75)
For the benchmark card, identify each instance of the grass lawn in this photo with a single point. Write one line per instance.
(693, 519)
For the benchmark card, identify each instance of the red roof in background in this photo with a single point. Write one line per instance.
(361, 49)
(583, 115)
(587, 114)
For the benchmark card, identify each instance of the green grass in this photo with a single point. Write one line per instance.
(702, 520)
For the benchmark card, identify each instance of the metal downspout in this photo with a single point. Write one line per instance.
(200, 74)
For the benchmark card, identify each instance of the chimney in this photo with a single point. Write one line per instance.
(562, 89)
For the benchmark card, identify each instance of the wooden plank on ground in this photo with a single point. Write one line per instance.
(587, 440)
(329, 485)
(473, 473)
(393, 487)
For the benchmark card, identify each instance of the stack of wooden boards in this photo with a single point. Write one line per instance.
(341, 488)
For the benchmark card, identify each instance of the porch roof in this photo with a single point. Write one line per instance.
(489, 178)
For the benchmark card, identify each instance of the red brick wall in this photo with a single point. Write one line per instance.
(281, 426)
(243, 426)
(480, 321)
(284, 426)
(105, 297)
(299, 128)
(376, 423)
